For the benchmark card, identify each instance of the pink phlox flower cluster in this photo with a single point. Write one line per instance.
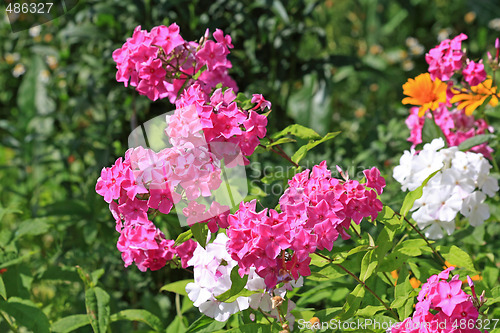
(316, 208)
(446, 58)
(159, 62)
(442, 307)
(455, 125)
(221, 121)
(474, 73)
(212, 267)
(146, 246)
(149, 181)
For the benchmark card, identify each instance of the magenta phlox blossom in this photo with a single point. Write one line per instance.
(160, 62)
(442, 307)
(474, 73)
(446, 58)
(316, 209)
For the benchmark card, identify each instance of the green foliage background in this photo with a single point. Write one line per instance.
(329, 65)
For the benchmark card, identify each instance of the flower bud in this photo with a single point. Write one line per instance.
(276, 301)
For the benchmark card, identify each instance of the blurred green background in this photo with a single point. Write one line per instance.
(335, 65)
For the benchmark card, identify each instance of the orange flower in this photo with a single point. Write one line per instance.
(415, 283)
(471, 100)
(424, 92)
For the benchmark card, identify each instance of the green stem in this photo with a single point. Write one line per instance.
(424, 238)
(361, 283)
(12, 326)
(285, 156)
(265, 316)
(178, 305)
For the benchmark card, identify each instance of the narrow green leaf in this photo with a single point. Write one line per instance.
(244, 293)
(96, 275)
(178, 287)
(3, 292)
(278, 142)
(368, 265)
(70, 323)
(97, 304)
(200, 232)
(328, 273)
(299, 131)
(17, 260)
(142, 316)
(26, 313)
(302, 151)
(183, 237)
(237, 285)
(370, 310)
(353, 302)
(84, 276)
(414, 195)
(475, 141)
(205, 324)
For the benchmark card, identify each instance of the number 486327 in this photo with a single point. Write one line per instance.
(33, 8)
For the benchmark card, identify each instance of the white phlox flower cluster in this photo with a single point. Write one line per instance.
(212, 268)
(461, 185)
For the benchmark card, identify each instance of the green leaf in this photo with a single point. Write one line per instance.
(70, 323)
(26, 313)
(178, 287)
(245, 293)
(353, 302)
(368, 265)
(205, 324)
(183, 237)
(370, 310)
(32, 227)
(237, 285)
(252, 328)
(311, 104)
(328, 273)
(97, 304)
(414, 195)
(393, 261)
(17, 260)
(68, 207)
(200, 232)
(475, 141)
(388, 217)
(327, 314)
(84, 276)
(299, 131)
(32, 95)
(3, 292)
(176, 326)
(457, 257)
(278, 142)
(96, 275)
(142, 316)
(413, 247)
(302, 151)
